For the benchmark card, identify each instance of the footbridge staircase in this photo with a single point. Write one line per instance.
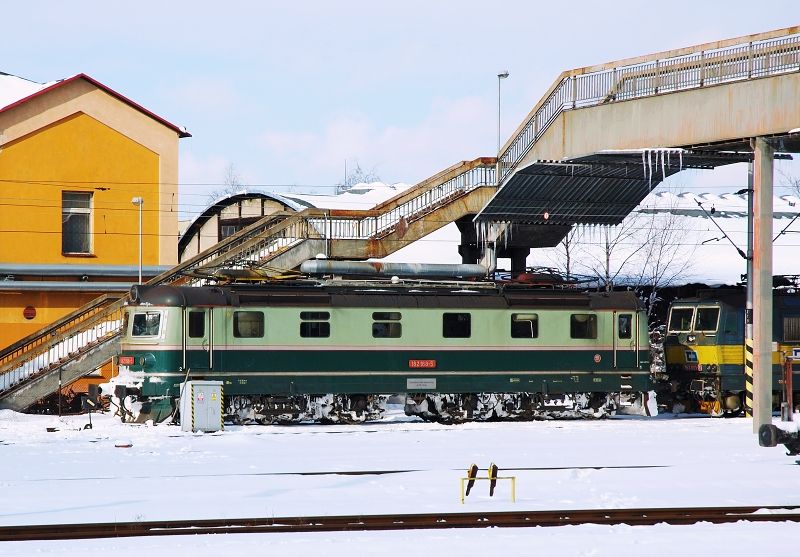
(41, 363)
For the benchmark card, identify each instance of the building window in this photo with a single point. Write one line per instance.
(583, 325)
(524, 325)
(456, 325)
(76, 222)
(226, 230)
(314, 324)
(248, 324)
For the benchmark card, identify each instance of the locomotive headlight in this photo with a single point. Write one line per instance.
(147, 360)
(691, 338)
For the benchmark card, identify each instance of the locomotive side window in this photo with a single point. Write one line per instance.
(456, 325)
(386, 324)
(197, 324)
(680, 320)
(624, 325)
(386, 316)
(146, 324)
(315, 315)
(524, 325)
(248, 324)
(706, 320)
(791, 328)
(583, 325)
(314, 324)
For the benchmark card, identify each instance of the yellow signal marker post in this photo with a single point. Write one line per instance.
(471, 477)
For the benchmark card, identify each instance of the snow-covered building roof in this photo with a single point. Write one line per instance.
(16, 90)
(360, 196)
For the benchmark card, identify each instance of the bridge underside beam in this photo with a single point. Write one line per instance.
(597, 189)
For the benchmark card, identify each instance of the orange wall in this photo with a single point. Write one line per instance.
(49, 307)
(78, 154)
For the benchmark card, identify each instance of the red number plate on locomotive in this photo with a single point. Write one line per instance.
(417, 364)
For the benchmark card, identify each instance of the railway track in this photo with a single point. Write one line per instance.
(510, 519)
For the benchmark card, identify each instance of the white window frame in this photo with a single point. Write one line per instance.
(78, 211)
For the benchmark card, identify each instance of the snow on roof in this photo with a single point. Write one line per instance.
(14, 88)
(726, 205)
(360, 196)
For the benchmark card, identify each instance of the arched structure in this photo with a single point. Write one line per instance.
(226, 216)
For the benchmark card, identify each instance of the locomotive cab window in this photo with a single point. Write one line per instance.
(706, 320)
(524, 325)
(197, 324)
(456, 325)
(791, 328)
(680, 320)
(583, 325)
(624, 325)
(146, 324)
(386, 324)
(314, 324)
(248, 324)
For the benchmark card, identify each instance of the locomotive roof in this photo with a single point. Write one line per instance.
(738, 297)
(422, 294)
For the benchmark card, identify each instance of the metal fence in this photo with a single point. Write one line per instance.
(698, 69)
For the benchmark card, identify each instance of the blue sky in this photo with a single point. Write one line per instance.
(289, 91)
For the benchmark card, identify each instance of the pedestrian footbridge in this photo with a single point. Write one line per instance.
(619, 127)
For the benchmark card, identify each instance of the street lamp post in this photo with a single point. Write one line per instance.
(500, 76)
(138, 201)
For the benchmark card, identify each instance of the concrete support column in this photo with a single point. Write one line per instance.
(762, 283)
(519, 257)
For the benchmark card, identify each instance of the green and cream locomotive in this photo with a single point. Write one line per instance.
(335, 350)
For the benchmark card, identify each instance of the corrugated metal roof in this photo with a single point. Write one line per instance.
(596, 189)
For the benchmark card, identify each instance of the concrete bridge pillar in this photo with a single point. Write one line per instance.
(518, 256)
(762, 282)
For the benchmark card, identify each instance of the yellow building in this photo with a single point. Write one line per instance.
(73, 156)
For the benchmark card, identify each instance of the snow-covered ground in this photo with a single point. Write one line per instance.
(82, 475)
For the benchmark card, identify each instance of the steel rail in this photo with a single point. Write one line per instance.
(507, 519)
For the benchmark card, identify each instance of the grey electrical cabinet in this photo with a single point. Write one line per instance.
(201, 406)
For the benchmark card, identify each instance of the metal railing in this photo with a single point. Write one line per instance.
(65, 339)
(703, 66)
(333, 225)
(101, 319)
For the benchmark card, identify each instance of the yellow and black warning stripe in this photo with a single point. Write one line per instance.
(748, 377)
